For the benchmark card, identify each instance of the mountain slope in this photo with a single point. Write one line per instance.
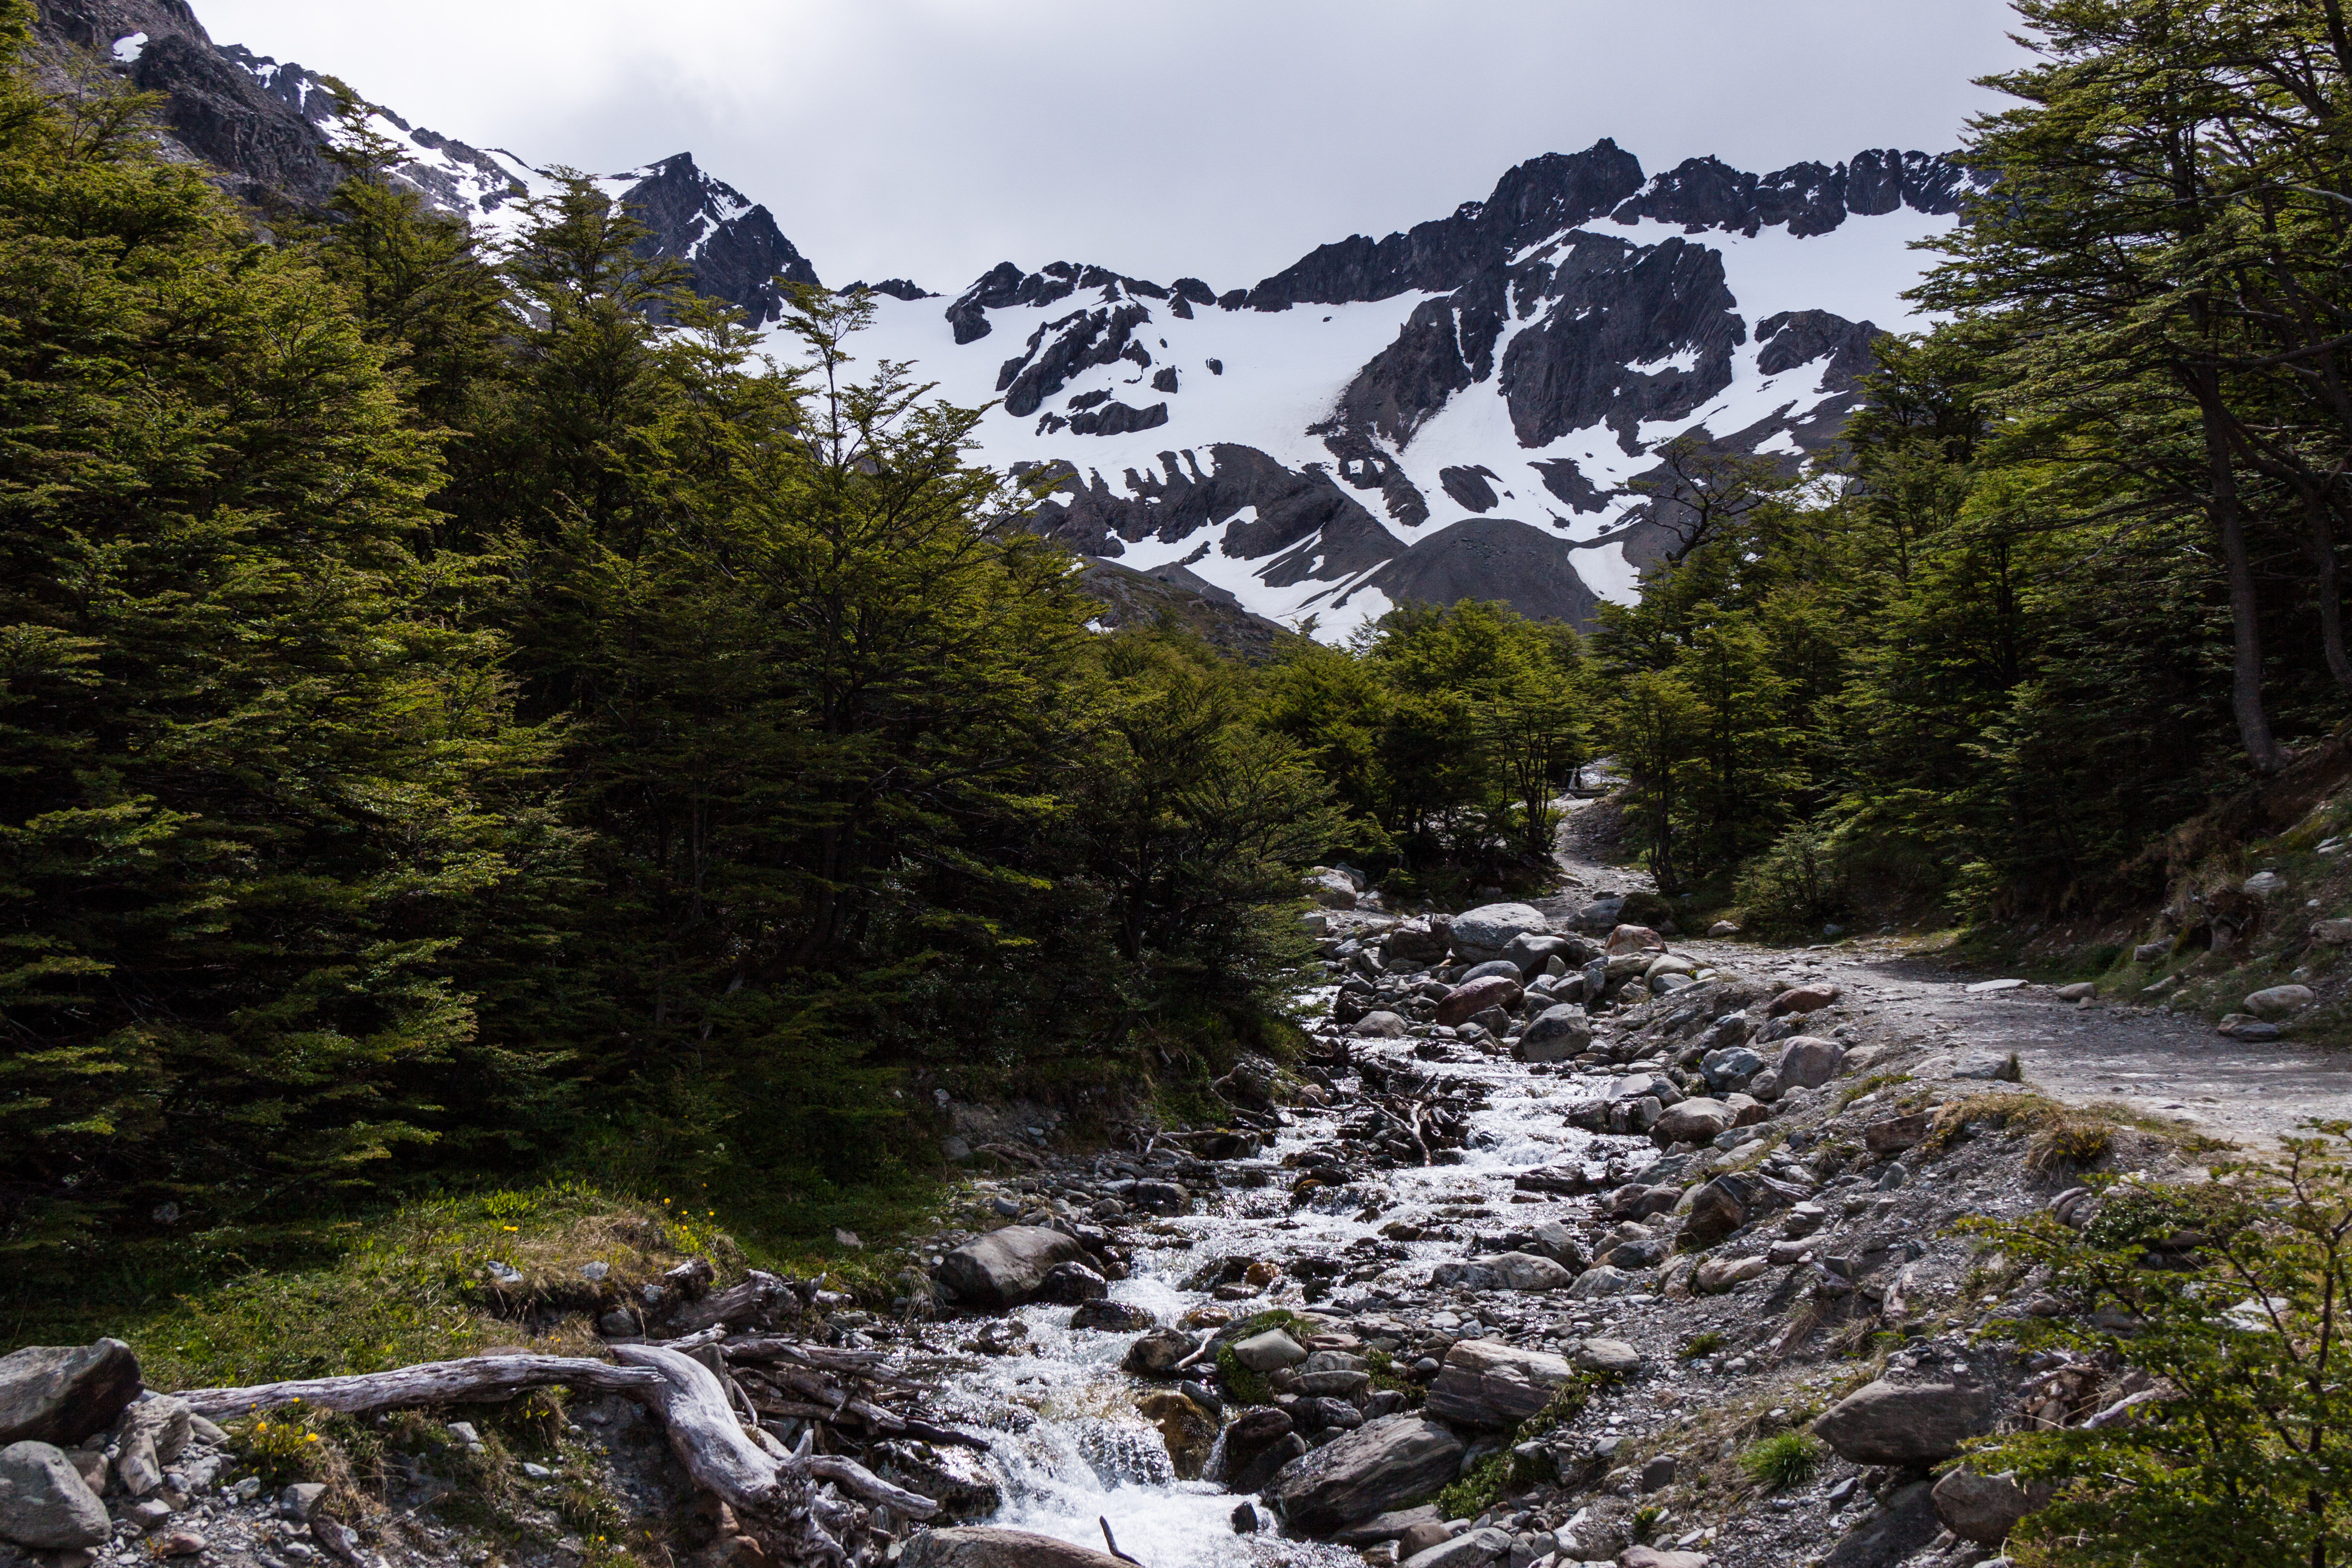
(1454, 411)
(266, 127)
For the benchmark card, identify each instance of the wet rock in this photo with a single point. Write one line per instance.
(1005, 1268)
(1071, 1285)
(1156, 1354)
(1159, 1197)
(1376, 1468)
(1380, 1025)
(1489, 1385)
(1112, 1317)
(1268, 1440)
(1504, 1271)
(44, 1501)
(958, 1480)
(1555, 1035)
(1480, 935)
(992, 1546)
(1268, 1351)
(1809, 1061)
(1885, 1423)
(1466, 1001)
(1984, 1508)
(1189, 1431)
(63, 1394)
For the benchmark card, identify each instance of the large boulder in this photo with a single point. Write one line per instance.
(992, 1546)
(44, 1501)
(1005, 1268)
(1555, 1035)
(1072, 1284)
(1532, 950)
(1332, 889)
(1381, 1465)
(1628, 940)
(2279, 1001)
(1799, 1000)
(1113, 1317)
(1885, 1423)
(956, 1478)
(1984, 1508)
(1504, 1271)
(1700, 1121)
(1466, 1001)
(1380, 1025)
(1269, 1352)
(1489, 1385)
(1482, 934)
(1610, 1357)
(63, 1394)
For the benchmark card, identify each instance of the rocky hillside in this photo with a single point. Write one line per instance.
(266, 127)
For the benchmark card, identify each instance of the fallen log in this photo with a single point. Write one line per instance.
(733, 1463)
(472, 1381)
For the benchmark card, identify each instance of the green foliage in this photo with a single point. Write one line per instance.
(1705, 1343)
(1479, 1488)
(1246, 1387)
(2235, 1294)
(1784, 1459)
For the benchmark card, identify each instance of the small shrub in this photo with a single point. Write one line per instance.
(1248, 1388)
(1784, 1459)
(282, 1445)
(1698, 1345)
(1646, 1520)
(1480, 1487)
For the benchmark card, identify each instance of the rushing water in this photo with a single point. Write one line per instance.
(1088, 1455)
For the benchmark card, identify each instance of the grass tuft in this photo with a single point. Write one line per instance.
(1783, 1460)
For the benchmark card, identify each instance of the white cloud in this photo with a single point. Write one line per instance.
(1220, 138)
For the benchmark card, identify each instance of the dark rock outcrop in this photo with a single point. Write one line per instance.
(731, 248)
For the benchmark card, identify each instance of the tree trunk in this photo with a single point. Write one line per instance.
(475, 1380)
(2229, 524)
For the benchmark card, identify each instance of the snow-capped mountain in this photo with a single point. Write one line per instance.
(267, 127)
(1468, 409)
(1453, 412)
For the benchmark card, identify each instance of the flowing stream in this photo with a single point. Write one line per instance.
(1090, 1455)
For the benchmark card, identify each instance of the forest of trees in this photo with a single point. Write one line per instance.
(449, 725)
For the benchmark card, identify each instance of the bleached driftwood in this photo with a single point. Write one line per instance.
(472, 1381)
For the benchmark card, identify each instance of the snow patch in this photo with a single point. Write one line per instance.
(129, 47)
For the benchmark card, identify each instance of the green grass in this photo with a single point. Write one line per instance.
(1784, 1459)
(1698, 1345)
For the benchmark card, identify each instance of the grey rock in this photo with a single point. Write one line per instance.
(1351, 1387)
(1989, 1066)
(1467, 1550)
(1560, 1243)
(1555, 1035)
(1380, 1025)
(1504, 1271)
(1482, 934)
(1268, 1351)
(992, 1546)
(1005, 1268)
(1731, 1069)
(1885, 1423)
(1904, 1523)
(1599, 1281)
(1693, 1121)
(2246, 1026)
(1809, 1061)
(1984, 1508)
(2151, 953)
(1502, 966)
(1489, 1385)
(301, 1500)
(63, 1394)
(1611, 1358)
(1376, 1468)
(2279, 1001)
(956, 1478)
(44, 1501)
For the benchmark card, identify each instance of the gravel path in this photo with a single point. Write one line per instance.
(2154, 1062)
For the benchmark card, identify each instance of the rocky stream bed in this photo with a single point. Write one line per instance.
(1556, 1222)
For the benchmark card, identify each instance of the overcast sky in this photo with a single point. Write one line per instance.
(1219, 138)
